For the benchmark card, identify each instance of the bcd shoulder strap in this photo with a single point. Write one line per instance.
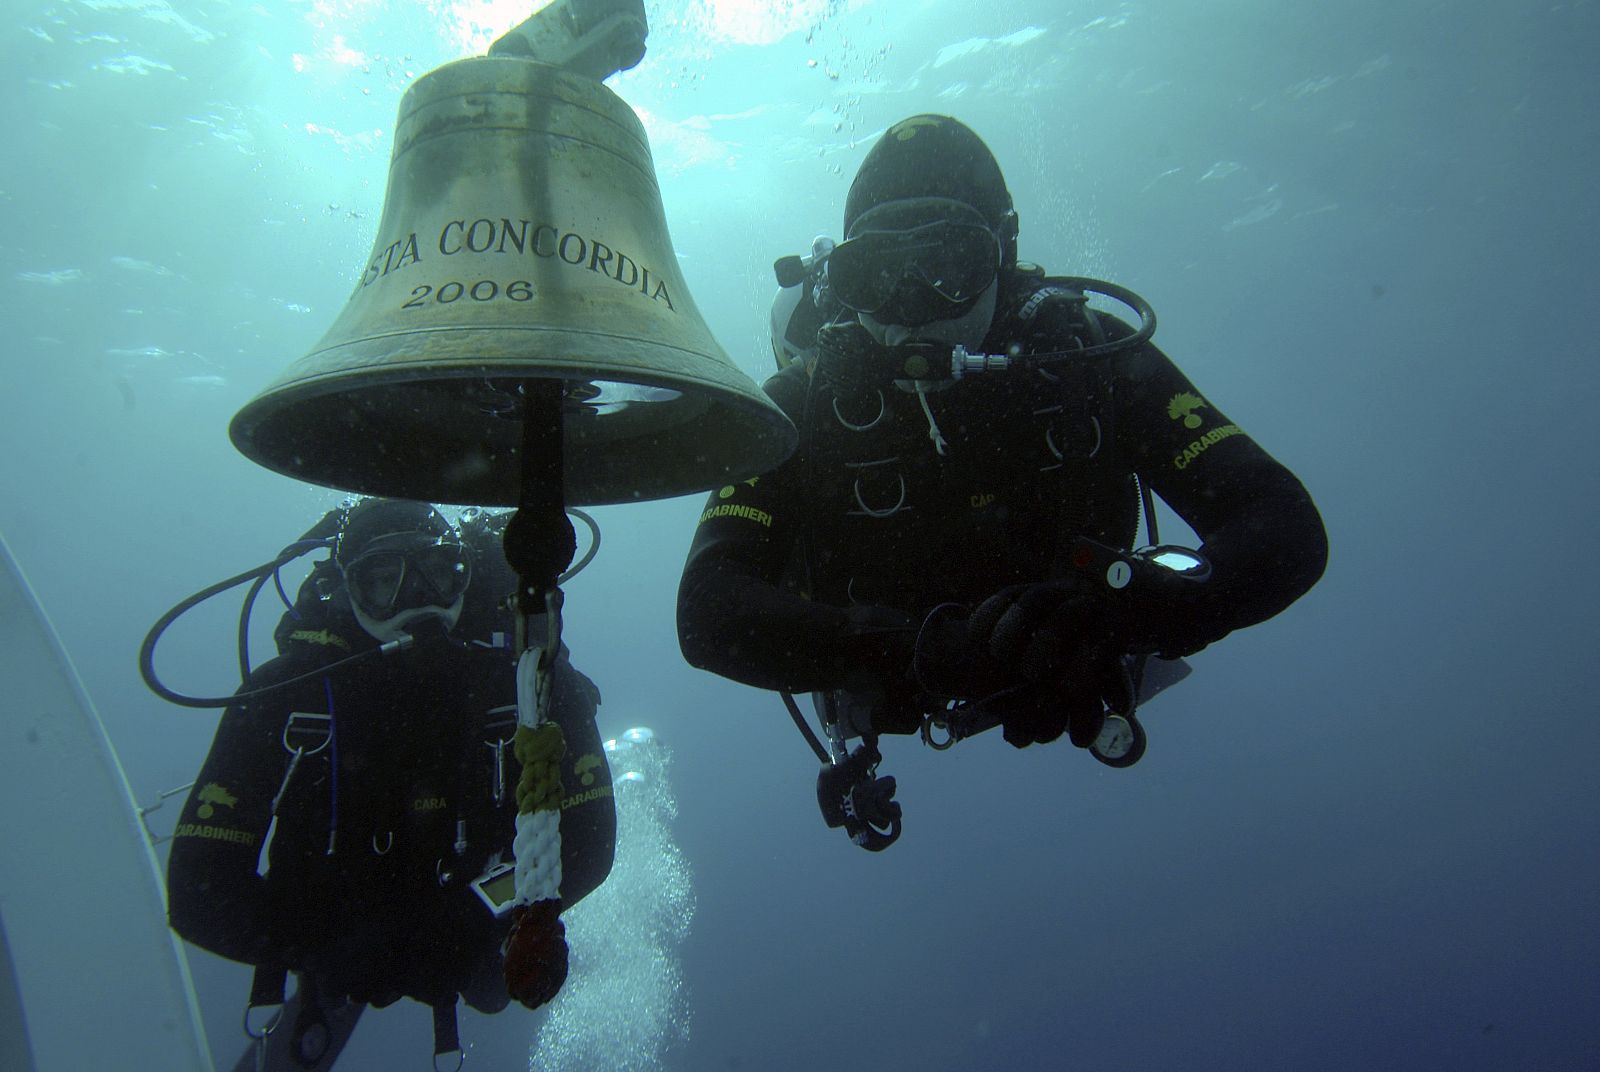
(1099, 491)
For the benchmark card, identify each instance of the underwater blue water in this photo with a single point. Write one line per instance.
(1364, 834)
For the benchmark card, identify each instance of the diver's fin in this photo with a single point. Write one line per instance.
(305, 1039)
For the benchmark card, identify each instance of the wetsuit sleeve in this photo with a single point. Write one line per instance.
(736, 618)
(1257, 523)
(215, 898)
(588, 811)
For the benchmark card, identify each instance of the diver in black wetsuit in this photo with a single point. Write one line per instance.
(977, 448)
(339, 824)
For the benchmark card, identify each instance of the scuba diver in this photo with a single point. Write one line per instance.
(956, 542)
(353, 822)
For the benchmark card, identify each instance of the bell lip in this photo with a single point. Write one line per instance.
(371, 360)
(768, 438)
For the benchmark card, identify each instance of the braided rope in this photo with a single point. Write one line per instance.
(536, 951)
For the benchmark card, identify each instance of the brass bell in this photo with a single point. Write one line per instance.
(523, 238)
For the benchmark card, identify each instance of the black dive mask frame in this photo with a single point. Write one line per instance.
(915, 261)
(405, 571)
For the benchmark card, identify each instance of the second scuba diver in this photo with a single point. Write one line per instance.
(355, 826)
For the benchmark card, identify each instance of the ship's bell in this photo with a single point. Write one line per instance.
(523, 238)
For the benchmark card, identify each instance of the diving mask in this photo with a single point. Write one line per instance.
(407, 571)
(914, 261)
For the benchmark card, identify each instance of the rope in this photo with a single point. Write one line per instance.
(539, 750)
(536, 951)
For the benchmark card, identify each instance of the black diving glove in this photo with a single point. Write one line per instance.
(1041, 713)
(1015, 660)
(1062, 649)
(1036, 629)
(1065, 638)
(1109, 600)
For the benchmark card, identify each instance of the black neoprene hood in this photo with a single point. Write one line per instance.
(372, 518)
(930, 156)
